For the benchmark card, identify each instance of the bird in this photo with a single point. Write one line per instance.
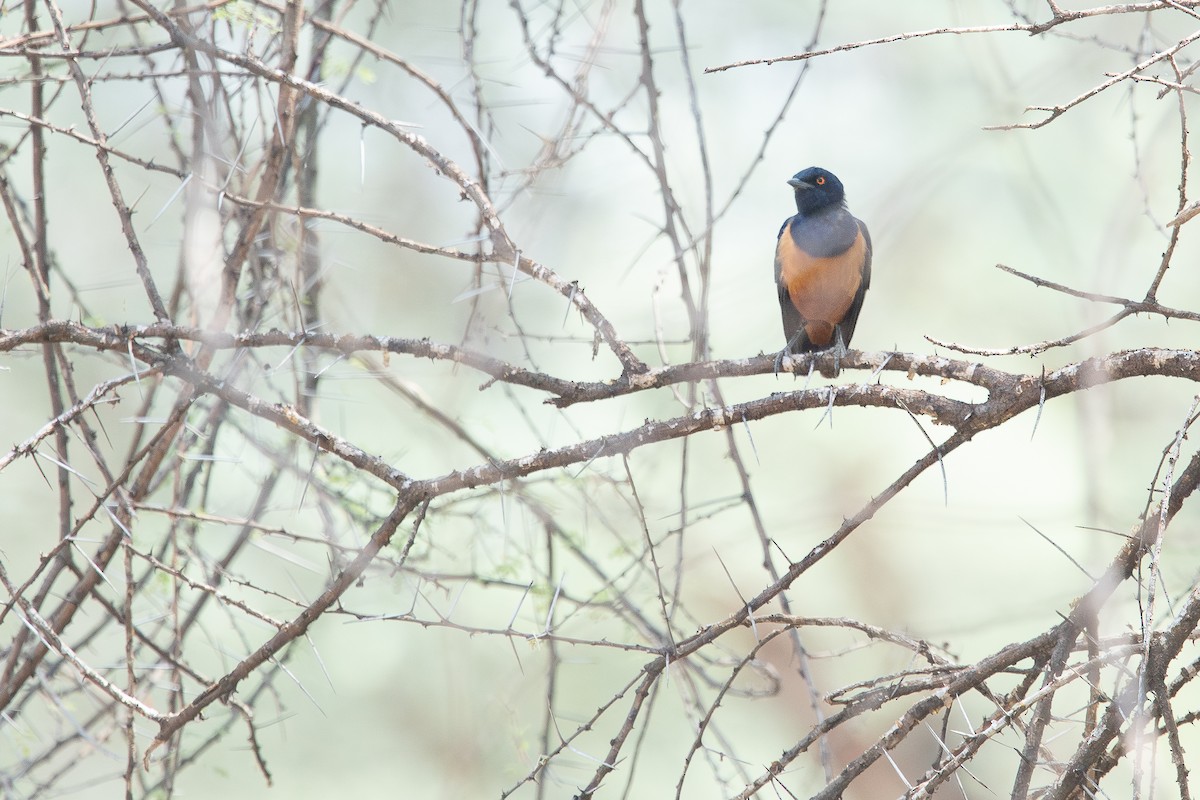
(822, 268)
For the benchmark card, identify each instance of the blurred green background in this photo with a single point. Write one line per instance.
(390, 708)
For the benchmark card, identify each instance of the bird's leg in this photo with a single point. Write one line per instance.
(786, 351)
(839, 350)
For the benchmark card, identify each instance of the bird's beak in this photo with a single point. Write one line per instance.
(799, 184)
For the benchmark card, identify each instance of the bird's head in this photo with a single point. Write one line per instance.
(816, 188)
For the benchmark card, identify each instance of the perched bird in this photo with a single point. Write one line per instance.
(822, 268)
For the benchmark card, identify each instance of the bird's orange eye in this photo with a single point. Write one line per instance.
(820, 181)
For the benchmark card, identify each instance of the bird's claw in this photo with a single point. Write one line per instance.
(779, 357)
(839, 350)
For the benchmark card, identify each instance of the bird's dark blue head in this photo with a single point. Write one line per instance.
(816, 188)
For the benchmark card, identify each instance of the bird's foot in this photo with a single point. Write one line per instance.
(838, 351)
(786, 353)
(779, 360)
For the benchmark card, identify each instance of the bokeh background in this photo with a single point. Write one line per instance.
(372, 707)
